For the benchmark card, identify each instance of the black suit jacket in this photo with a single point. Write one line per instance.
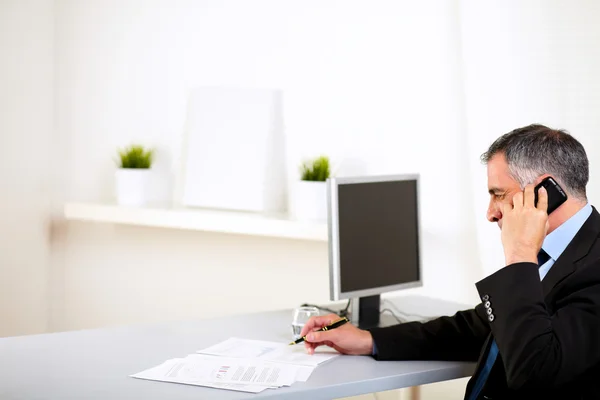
(548, 333)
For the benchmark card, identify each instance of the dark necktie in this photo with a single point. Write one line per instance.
(542, 257)
(493, 351)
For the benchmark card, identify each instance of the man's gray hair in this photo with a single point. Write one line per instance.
(535, 150)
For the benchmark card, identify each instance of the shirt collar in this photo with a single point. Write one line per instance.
(558, 240)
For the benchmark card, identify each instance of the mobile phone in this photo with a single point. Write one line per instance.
(556, 195)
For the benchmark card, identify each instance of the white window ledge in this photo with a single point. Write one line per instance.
(199, 220)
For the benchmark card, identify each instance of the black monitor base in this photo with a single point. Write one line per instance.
(368, 311)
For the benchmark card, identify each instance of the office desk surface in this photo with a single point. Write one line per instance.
(95, 364)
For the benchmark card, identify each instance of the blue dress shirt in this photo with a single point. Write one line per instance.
(558, 240)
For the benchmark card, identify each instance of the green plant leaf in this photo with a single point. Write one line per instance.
(317, 170)
(135, 156)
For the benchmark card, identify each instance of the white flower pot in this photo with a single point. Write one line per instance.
(310, 201)
(132, 186)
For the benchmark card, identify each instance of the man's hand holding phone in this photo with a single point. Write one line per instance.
(524, 226)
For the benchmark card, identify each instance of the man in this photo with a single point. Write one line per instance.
(536, 333)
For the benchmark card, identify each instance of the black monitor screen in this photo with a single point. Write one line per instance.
(378, 234)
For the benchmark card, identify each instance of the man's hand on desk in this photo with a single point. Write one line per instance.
(347, 339)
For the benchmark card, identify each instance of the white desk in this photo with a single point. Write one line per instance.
(95, 364)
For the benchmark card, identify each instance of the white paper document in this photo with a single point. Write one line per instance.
(241, 365)
(304, 373)
(235, 374)
(169, 371)
(240, 370)
(269, 351)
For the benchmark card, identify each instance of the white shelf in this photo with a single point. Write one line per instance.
(198, 220)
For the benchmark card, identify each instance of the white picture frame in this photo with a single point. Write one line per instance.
(234, 150)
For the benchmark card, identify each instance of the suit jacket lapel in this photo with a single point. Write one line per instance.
(575, 251)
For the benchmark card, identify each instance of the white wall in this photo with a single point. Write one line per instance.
(26, 157)
(358, 86)
(528, 62)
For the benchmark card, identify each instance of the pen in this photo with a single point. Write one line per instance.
(333, 325)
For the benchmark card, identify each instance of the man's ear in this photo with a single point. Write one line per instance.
(540, 178)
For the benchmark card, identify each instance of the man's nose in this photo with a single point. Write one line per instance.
(493, 213)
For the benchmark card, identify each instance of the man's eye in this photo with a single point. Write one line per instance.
(499, 196)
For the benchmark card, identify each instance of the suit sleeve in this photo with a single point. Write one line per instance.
(456, 338)
(539, 349)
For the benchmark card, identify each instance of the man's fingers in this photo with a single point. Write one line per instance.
(529, 196)
(308, 326)
(542, 199)
(318, 337)
(311, 347)
(318, 322)
(518, 200)
(506, 208)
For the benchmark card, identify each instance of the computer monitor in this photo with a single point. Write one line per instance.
(374, 242)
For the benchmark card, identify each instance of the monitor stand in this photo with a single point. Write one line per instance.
(365, 311)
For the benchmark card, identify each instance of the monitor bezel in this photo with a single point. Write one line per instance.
(334, 243)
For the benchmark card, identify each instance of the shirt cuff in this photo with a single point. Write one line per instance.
(374, 353)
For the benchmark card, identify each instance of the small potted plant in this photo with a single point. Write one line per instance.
(311, 192)
(133, 175)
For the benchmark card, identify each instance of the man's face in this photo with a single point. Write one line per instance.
(501, 187)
